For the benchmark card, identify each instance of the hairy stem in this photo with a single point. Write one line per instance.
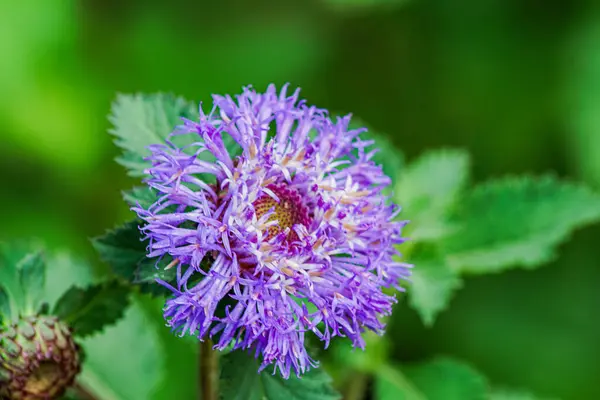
(209, 371)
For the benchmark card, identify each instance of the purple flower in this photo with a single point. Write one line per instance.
(291, 235)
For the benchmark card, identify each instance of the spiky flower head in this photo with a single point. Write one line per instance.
(288, 227)
(38, 359)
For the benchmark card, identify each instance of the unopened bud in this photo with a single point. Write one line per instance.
(38, 359)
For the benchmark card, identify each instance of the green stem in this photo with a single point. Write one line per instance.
(82, 392)
(209, 371)
(356, 386)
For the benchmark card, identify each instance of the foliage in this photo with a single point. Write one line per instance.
(457, 228)
(143, 120)
(440, 379)
(515, 83)
(22, 293)
(89, 310)
(240, 381)
(124, 251)
(482, 229)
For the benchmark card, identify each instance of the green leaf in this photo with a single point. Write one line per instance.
(149, 270)
(122, 249)
(432, 285)
(139, 368)
(71, 394)
(22, 274)
(5, 311)
(428, 189)
(142, 195)
(32, 276)
(240, 380)
(518, 222)
(388, 156)
(67, 271)
(392, 384)
(144, 119)
(44, 308)
(125, 252)
(179, 356)
(448, 379)
(583, 90)
(367, 361)
(509, 394)
(141, 120)
(439, 379)
(89, 310)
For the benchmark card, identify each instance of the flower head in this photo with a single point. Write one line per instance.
(279, 210)
(38, 359)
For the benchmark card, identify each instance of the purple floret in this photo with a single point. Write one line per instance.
(289, 227)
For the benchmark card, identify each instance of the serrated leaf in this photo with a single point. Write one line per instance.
(141, 120)
(433, 284)
(427, 190)
(89, 310)
(133, 163)
(145, 119)
(32, 276)
(509, 394)
(240, 380)
(142, 196)
(518, 222)
(439, 379)
(124, 251)
(150, 269)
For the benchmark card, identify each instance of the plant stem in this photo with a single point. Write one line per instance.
(209, 371)
(356, 387)
(82, 392)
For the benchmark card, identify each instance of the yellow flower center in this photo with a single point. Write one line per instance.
(288, 211)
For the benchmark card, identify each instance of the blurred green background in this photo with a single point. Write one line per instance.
(516, 82)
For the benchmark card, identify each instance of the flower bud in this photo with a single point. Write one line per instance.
(38, 359)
